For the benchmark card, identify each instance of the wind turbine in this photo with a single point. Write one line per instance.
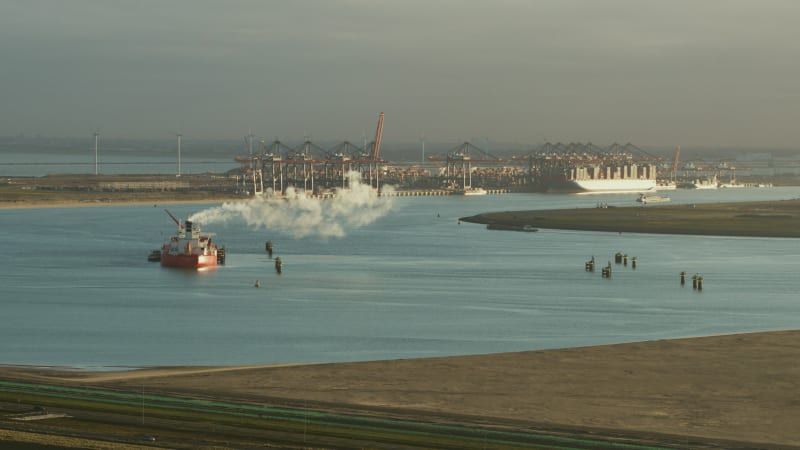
(96, 136)
(179, 136)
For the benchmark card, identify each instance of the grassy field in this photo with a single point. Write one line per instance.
(92, 418)
(729, 391)
(85, 190)
(765, 219)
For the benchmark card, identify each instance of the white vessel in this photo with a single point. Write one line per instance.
(645, 199)
(705, 183)
(470, 191)
(732, 184)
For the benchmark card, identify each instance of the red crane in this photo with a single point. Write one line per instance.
(177, 222)
(378, 134)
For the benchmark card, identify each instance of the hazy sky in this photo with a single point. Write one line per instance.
(695, 73)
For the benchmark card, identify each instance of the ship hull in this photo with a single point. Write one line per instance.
(471, 191)
(188, 261)
(600, 186)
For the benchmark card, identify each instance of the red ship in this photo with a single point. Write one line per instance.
(189, 249)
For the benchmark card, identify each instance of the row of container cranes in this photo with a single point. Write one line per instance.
(276, 166)
(273, 167)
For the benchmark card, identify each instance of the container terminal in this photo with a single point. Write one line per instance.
(466, 169)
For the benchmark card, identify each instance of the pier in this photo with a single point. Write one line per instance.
(438, 192)
(416, 193)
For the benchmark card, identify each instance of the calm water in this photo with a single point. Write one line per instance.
(78, 291)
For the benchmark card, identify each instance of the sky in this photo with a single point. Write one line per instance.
(710, 73)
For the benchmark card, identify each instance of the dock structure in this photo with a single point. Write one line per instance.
(438, 192)
(274, 167)
(310, 167)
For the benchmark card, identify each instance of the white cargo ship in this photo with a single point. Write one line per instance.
(600, 178)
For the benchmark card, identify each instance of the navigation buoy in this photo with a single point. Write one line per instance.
(589, 266)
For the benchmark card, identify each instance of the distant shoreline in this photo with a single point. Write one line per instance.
(117, 202)
(776, 218)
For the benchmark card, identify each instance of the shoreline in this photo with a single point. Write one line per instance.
(740, 387)
(774, 218)
(116, 202)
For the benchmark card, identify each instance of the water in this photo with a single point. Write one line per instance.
(78, 290)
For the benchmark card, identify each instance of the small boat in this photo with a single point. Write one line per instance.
(705, 183)
(644, 199)
(471, 191)
(154, 256)
(190, 249)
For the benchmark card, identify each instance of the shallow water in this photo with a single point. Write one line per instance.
(79, 291)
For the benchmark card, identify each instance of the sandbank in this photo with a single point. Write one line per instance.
(777, 218)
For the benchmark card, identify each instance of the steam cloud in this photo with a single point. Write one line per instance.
(302, 216)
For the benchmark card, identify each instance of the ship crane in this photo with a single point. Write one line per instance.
(177, 222)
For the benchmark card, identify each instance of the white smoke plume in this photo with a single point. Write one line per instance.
(301, 216)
